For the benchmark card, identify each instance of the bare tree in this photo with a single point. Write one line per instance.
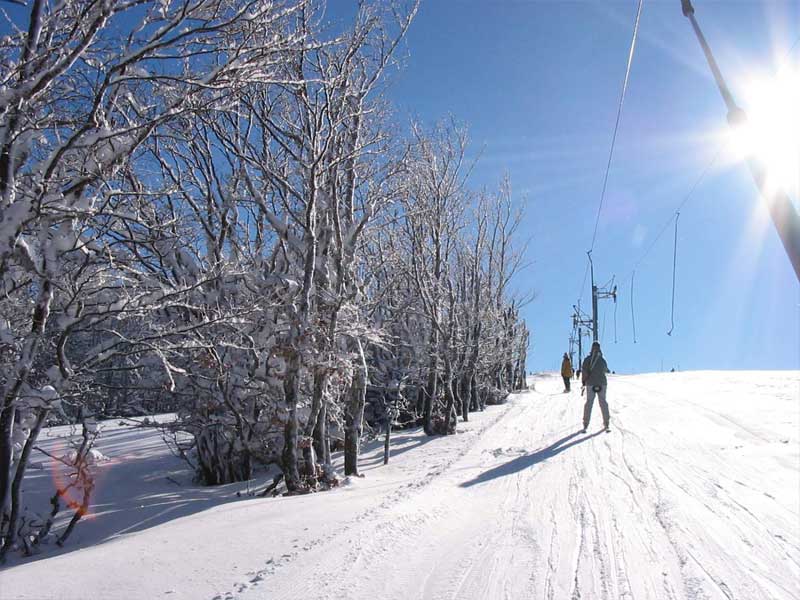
(80, 96)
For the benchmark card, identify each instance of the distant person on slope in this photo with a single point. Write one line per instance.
(593, 373)
(566, 371)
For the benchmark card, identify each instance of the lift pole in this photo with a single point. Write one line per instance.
(783, 213)
(598, 293)
(579, 321)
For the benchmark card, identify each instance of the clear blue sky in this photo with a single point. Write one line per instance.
(538, 82)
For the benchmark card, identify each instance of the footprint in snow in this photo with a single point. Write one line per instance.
(498, 452)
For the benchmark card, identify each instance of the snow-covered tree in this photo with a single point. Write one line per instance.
(207, 207)
(84, 85)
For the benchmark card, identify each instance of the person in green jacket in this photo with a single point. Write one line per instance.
(566, 371)
(593, 375)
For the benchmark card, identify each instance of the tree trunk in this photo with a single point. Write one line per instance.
(289, 456)
(309, 460)
(387, 439)
(429, 396)
(322, 440)
(22, 464)
(30, 349)
(6, 452)
(464, 396)
(450, 408)
(354, 416)
(431, 387)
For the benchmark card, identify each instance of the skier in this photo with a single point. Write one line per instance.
(593, 374)
(566, 371)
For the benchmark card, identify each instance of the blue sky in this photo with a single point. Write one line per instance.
(538, 82)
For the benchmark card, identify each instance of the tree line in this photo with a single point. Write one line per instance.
(208, 208)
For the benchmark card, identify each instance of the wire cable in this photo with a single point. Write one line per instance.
(583, 285)
(697, 182)
(674, 269)
(683, 202)
(613, 141)
(619, 116)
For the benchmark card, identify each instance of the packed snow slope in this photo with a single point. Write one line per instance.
(694, 494)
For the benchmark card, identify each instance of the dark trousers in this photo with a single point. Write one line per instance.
(566, 382)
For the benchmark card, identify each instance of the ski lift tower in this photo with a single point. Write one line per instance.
(581, 324)
(598, 294)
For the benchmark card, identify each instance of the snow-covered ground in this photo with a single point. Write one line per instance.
(695, 493)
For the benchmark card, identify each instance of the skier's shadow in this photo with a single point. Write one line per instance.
(529, 460)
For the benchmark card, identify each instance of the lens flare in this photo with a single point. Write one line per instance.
(771, 133)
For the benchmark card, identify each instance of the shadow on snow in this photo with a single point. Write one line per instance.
(528, 460)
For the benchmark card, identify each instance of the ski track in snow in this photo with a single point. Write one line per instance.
(693, 495)
(624, 515)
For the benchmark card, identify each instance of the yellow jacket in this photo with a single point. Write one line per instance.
(566, 367)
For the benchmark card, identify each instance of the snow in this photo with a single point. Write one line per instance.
(93, 457)
(695, 493)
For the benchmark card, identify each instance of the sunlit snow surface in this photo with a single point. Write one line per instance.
(695, 493)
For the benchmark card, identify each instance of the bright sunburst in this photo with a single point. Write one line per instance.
(772, 132)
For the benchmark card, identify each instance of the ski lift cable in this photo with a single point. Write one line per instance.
(684, 200)
(674, 269)
(697, 182)
(583, 285)
(673, 216)
(616, 124)
(680, 206)
(613, 143)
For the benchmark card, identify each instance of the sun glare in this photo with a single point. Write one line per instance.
(771, 134)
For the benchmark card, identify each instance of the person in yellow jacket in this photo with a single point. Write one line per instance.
(566, 371)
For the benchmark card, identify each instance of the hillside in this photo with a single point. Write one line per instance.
(695, 493)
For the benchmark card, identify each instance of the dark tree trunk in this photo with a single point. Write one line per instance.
(387, 440)
(473, 393)
(289, 457)
(465, 396)
(322, 441)
(450, 406)
(429, 397)
(6, 452)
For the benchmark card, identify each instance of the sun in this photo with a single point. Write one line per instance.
(771, 133)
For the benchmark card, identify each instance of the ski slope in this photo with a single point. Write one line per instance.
(694, 494)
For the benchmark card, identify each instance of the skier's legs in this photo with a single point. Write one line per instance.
(601, 396)
(587, 408)
(566, 383)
